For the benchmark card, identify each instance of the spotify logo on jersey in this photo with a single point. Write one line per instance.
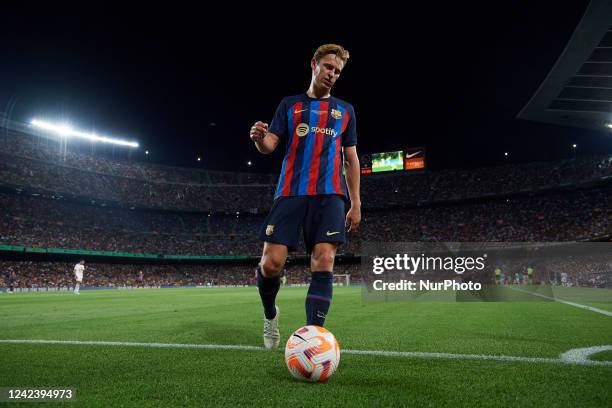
(302, 129)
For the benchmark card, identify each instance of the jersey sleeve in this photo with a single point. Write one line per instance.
(279, 122)
(349, 138)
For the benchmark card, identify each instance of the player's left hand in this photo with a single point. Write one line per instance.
(353, 218)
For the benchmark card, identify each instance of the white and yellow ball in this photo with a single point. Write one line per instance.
(312, 354)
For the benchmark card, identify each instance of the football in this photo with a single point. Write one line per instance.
(312, 354)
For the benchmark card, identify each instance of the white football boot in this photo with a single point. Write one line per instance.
(271, 334)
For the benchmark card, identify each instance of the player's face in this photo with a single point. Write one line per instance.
(327, 71)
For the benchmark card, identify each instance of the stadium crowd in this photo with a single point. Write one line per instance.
(60, 275)
(51, 223)
(29, 274)
(132, 192)
(569, 270)
(61, 197)
(81, 156)
(43, 164)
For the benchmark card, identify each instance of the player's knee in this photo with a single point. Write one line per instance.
(270, 266)
(323, 260)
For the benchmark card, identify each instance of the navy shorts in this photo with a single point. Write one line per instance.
(321, 217)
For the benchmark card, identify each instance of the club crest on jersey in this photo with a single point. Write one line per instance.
(269, 230)
(336, 114)
(302, 129)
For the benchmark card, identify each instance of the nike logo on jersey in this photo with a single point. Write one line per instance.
(299, 111)
(329, 234)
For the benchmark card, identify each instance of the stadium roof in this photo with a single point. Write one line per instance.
(578, 90)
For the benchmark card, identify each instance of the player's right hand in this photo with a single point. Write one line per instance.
(258, 131)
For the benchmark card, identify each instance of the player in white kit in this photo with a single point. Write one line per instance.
(78, 275)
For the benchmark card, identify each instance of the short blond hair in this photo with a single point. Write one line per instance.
(335, 49)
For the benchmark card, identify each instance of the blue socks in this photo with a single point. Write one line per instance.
(268, 288)
(319, 298)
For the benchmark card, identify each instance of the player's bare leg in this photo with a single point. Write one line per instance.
(320, 291)
(268, 282)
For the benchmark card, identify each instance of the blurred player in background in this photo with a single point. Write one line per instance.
(530, 275)
(320, 132)
(12, 281)
(78, 275)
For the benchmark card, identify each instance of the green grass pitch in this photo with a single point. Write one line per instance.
(106, 376)
(390, 167)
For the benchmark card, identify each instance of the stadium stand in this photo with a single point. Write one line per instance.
(55, 196)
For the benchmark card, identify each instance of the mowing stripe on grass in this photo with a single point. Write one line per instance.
(574, 356)
(566, 302)
(130, 344)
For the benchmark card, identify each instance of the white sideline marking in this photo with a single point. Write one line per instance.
(581, 355)
(566, 302)
(574, 356)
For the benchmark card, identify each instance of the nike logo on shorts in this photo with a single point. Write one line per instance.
(329, 234)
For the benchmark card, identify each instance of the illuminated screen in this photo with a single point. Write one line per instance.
(387, 161)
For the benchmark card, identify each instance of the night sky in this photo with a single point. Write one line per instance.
(187, 82)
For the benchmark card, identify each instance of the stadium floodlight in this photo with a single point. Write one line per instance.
(199, 159)
(67, 131)
(574, 145)
(249, 163)
(608, 125)
(146, 152)
(506, 154)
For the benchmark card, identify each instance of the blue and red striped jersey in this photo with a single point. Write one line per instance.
(315, 131)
